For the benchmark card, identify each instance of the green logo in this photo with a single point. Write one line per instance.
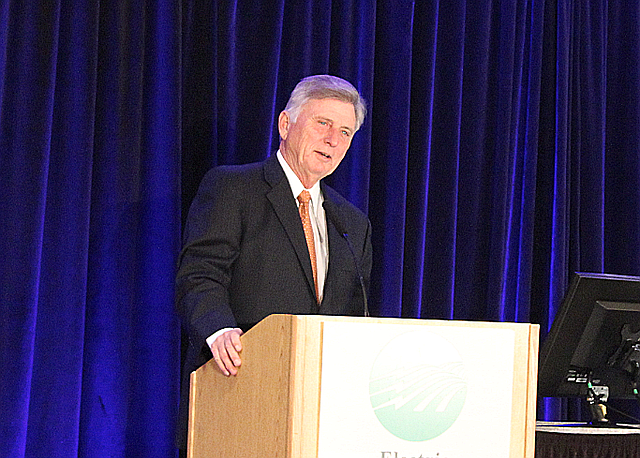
(417, 386)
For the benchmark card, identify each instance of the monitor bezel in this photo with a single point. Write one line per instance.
(586, 292)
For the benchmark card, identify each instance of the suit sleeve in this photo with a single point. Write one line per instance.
(211, 242)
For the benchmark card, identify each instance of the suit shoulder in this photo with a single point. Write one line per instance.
(232, 177)
(234, 172)
(345, 207)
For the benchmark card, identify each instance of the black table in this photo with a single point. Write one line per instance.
(564, 440)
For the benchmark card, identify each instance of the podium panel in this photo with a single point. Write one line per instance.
(322, 386)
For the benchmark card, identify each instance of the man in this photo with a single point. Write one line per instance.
(254, 245)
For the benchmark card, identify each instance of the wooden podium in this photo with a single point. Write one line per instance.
(272, 408)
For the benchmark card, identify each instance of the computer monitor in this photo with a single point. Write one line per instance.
(594, 340)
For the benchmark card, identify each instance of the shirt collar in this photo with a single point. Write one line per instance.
(296, 185)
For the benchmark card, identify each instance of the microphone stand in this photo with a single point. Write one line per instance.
(333, 217)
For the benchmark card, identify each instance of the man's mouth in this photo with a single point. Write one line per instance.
(324, 154)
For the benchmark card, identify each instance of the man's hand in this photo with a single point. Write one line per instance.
(226, 349)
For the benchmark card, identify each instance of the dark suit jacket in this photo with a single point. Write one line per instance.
(245, 257)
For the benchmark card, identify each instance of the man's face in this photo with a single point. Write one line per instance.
(316, 143)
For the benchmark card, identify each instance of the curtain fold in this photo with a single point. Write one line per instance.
(90, 151)
(389, 138)
(499, 155)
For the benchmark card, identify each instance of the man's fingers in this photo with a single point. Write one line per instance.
(235, 339)
(232, 352)
(225, 351)
(217, 357)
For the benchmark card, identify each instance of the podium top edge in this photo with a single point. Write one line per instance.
(396, 320)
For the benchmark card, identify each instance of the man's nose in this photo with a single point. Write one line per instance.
(332, 137)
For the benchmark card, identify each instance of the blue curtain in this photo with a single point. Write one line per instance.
(501, 153)
(90, 211)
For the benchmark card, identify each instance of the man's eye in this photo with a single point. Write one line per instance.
(346, 133)
(323, 123)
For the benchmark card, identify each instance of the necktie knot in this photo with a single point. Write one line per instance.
(304, 197)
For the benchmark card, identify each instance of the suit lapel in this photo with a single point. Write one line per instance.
(339, 255)
(286, 209)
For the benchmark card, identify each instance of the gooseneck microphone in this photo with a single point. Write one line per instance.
(332, 215)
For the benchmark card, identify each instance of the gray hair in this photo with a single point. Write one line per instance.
(325, 87)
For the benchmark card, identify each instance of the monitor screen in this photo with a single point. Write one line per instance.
(592, 337)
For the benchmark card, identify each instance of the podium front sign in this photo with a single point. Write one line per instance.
(403, 391)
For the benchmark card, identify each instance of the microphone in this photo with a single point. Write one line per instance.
(332, 215)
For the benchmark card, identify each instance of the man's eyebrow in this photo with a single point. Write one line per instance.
(347, 128)
(324, 118)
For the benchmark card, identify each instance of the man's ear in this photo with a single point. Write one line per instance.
(284, 122)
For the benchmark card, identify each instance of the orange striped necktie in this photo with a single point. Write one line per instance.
(304, 199)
